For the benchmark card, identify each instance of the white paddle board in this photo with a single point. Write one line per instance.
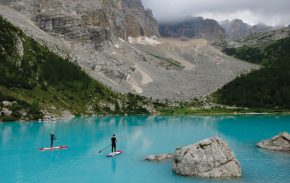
(114, 153)
(53, 148)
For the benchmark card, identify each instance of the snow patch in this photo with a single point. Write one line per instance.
(122, 40)
(153, 41)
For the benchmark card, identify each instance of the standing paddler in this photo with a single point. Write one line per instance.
(52, 139)
(114, 143)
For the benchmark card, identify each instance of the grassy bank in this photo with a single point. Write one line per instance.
(220, 111)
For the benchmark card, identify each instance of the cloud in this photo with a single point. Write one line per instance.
(270, 12)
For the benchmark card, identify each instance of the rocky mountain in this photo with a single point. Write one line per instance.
(104, 37)
(89, 21)
(259, 38)
(236, 28)
(37, 84)
(260, 28)
(193, 28)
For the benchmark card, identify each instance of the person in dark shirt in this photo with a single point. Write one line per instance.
(114, 143)
(52, 138)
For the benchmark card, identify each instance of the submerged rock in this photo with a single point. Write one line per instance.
(159, 157)
(208, 158)
(280, 142)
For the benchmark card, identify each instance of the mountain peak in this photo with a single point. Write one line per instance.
(193, 27)
(106, 18)
(237, 21)
(236, 28)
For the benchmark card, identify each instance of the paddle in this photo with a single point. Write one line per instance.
(104, 149)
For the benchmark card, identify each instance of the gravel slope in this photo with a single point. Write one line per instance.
(171, 69)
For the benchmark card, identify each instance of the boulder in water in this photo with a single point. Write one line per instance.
(159, 157)
(280, 142)
(210, 158)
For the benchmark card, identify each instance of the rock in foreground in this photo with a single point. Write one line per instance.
(280, 142)
(210, 158)
(159, 157)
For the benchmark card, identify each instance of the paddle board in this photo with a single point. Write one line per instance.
(114, 153)
(53, 148)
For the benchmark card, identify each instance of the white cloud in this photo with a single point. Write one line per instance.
(271, 12)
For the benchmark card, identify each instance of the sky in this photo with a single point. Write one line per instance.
(269, 12)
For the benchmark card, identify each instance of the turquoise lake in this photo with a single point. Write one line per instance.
(138, 136)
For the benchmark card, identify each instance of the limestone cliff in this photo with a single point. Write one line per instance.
(236, 28)
(193, 28)
(89, 21)
(36, 84)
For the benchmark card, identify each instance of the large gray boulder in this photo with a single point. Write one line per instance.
(280, 142)
(210, 158)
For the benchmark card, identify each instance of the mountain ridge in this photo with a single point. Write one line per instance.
(193, 27)
(37, 84)
(148, 66)
(111, 16)
(236, 28)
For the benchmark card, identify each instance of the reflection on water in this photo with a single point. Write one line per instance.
(6, 133)
(114, 164)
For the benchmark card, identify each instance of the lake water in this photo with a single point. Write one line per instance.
(138, 136)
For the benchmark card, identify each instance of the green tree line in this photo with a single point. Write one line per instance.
(268, 87)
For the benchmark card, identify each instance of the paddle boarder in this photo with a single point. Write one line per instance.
(114, 143)
(52, 138)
